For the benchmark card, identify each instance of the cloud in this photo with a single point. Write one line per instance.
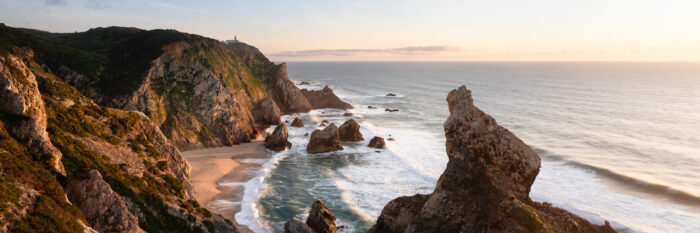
(412, 50)
(56, 2)
(98, 4)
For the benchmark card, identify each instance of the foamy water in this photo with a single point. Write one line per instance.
(619, 142)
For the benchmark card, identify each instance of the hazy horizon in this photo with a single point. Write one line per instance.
(546, 30)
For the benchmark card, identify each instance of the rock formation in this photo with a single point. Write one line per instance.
(323, 123)
(297, 122)
(324, 98)
(277, 141)
(324, 140)
(266, 111)
(297, 226)
(391, 110)
(391, 94)
(20, 97)
(376, 142)
(347, 114)
(321, 219)
(103, 208)
(350, 131)
(485, 187)
(304, 83)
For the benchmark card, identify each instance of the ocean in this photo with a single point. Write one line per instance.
(618, 141)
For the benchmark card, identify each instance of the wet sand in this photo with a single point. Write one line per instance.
(218, 174)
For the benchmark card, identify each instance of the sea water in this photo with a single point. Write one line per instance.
(619, 141)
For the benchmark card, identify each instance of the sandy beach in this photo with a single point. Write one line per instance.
(218, 174)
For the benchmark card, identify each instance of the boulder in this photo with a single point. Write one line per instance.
(321, 219)
(297, 122)
(304, 83)
(390, 139)
(350, 131)
(376, 142)
(391, 94)
(103, 208)
(294, 225)
(277, 141)
(371, 107)
(391, 110)
(266, 111)
(324, 140)
(347, 114)
(323, 123)
(324, 98)
(485, 186)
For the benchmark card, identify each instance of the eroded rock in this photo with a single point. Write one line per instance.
(295, 225)
(321, 219)
(325, 140)
(266, 111)
(376, 142)
(485, 186)
(350, 131)
(103, 208)
(324, 98)
(277, 141)
(297, 122)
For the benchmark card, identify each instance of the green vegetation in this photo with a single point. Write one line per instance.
(21, 171)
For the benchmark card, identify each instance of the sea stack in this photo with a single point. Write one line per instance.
(324, 98)
(320, 220)
(485, 187)
(350, 131)
(277, 141)
(325, 140)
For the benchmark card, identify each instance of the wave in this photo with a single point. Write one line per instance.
(629, 182)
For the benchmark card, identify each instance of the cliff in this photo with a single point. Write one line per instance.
(68, 164)
(199, 91)
(485, 187)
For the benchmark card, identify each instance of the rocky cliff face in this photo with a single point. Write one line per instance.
(121, 173)
(19, 95)
(201, 92)
(485, 187)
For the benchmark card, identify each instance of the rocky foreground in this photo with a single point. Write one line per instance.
(485, 187)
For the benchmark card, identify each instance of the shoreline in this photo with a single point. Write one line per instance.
(218, 175)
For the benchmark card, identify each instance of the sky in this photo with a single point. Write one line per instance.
(393, 30)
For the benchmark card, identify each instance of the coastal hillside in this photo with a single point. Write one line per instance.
(199, 91)
(68, 163)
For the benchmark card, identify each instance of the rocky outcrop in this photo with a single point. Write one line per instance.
(321, 219)
(103, 208)
(390, 95)
(277, 141)
(350, 131)
(266, 111)
(376, 142)
(347, 114)
(297, 122)
(297, 226)
(485, 187)
(20, 97)
(324, 98)
(325, 140)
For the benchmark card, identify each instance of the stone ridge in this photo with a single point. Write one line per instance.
(485, 186)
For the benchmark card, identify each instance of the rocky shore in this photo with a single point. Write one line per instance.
(485, 187)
